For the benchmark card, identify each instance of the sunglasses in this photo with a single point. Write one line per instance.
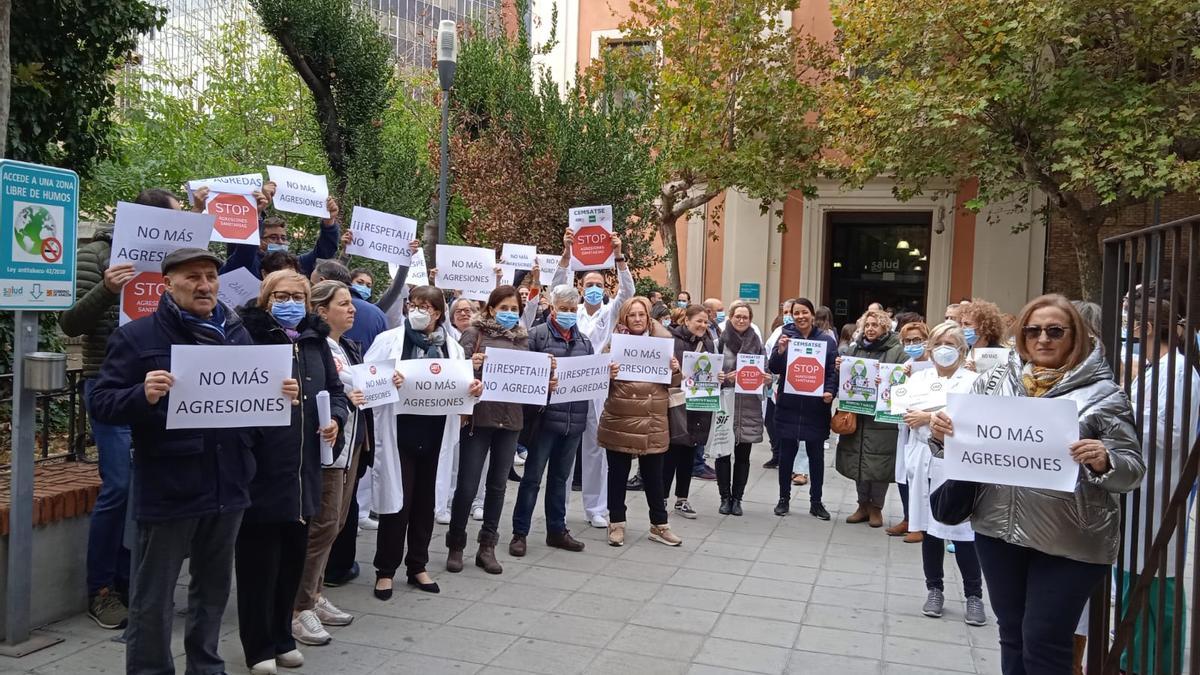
(1055, 333)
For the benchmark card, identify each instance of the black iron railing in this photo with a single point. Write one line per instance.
(62, 427)
(1151, 317)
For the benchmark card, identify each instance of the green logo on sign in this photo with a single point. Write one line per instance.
(34, 225)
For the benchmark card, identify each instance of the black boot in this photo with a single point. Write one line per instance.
(782, 508)
(735, 506)
(726, 506)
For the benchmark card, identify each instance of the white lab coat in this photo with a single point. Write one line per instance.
(387, 491)
(923, 472)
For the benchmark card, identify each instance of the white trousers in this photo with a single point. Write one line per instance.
(594, 468)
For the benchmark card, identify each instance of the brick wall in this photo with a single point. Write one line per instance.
(60, 490)
(1062, 272)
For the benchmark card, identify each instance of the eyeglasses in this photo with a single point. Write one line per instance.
(281, 296)
(914, 341)
(464, 310)
(1055, 333)
(427, 308)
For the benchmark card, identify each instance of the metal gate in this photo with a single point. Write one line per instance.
(1142, 619)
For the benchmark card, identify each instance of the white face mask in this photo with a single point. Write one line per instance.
(945, 355)
(419, 319)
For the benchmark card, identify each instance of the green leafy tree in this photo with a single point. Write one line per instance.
(1092, 102)
(63, 57)
(727, 91)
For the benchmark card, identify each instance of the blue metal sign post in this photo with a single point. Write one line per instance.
(39, 214)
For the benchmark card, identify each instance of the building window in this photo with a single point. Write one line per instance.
(627, 50)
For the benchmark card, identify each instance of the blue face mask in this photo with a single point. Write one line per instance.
(681, 304)
(914, 351)
(969, 333)
(288, 313)
(788, 320)
(720, 317)
(565, 320)
(666, 322)
(506, 319)
(361, 291)
(593, 295)
(271, 248)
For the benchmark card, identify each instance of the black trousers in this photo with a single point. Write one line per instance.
(815, 447)
(341, 556)
(651, 466)
(475, 447)
(933, 558)
(769, 426)
(414, 523)
(731, 480)
(677, 463)
(1037, 599)
(269, 560)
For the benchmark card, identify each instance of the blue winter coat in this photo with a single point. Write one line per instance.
(561, 418)
(803, 417)
(178, 473)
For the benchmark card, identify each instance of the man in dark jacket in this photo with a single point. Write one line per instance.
(559, 434)
(94, 317)
(191, 484)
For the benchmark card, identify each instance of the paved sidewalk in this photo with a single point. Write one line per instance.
(758, 593)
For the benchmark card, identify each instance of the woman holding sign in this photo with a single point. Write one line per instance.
(739, 338)
(286, 491)
(802, 418)
(634, 424)
(689, 428)
(491, 435)
(923, 474)
(1042, 551)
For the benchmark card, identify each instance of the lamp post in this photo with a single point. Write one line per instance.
(447, 62)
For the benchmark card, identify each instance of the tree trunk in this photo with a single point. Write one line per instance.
(670, 242)
(5, 72)
(1085, 238)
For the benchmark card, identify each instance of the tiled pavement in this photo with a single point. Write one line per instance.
(753, 594)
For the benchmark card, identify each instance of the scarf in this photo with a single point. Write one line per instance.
(422, 346)
(210, 331)
(1039, 380)
(741, 343)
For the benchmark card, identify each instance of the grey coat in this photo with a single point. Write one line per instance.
(747, 408)
(1086, 525)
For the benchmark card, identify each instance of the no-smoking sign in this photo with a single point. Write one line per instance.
(51, 250)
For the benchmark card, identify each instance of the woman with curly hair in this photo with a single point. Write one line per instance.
(983, 324)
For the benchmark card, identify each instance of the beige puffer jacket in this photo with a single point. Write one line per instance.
(634, 420)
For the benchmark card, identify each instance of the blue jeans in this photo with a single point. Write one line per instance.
(698, 464)
(557, 450)
(107, 557)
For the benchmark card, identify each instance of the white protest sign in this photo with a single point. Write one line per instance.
(236, 218)
(418, 275)
(924, 394)
(299, 192)
(751, 374)
(642, 358)
(547, 267)
(582, 378)
(374, 380)
(701, 391)
(220, 387)
(987, 358)
(244, 184)
(144, 235)
(507, 274)
(238, 286)
(856, 385)
(516, 376)
(435, 387)
(519, 255)
(1013, 440)
(805, 374)
(467, 269)
(381, 236)
(890, 375)
(592, 249)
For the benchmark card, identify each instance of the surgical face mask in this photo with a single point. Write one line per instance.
(271, 248)
(788, 320)
(506, 319)
(914, 351)
(288, 313)
(363, 292)
(720, 317)
(945, 356)
(681, 304)
(419, 319)
(593, 295)
(565, 320)
(666, 322)
(971, 336)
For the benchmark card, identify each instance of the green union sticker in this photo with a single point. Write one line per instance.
(860, 407)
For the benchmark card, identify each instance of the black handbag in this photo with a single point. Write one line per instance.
(954, 501)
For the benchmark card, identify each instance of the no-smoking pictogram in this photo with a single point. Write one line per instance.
(51, 250)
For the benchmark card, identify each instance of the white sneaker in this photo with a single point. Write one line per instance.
(477, 513)
(599, 521)
(263, 668)
(519, 460)
(292, 659)
(331, 615)
(442, 518)
(368, 523)
(307, 629)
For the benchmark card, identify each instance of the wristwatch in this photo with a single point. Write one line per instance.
(620, 258)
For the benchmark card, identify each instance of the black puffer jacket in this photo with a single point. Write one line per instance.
(698, 422)
(94, 314)
(287, 481)
(485, 332)
(561, 418)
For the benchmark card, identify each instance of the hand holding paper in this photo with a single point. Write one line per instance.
(324, 417)
(291, 390)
